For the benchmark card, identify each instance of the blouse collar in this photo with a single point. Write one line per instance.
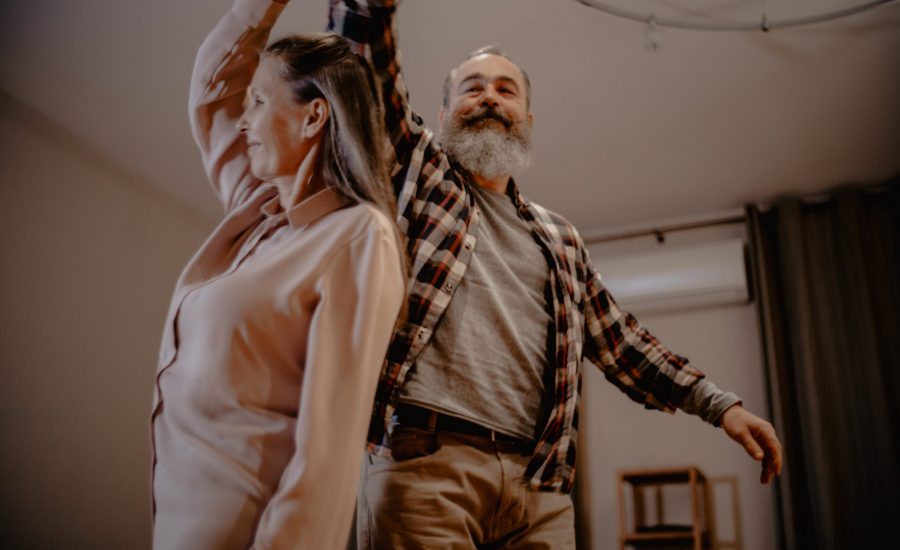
(317, 206)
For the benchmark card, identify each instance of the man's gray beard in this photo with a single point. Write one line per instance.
(488, 151)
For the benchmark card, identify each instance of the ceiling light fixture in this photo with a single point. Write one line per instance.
(764, 24)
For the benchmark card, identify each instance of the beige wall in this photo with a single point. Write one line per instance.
(90, 256)
(618, 434)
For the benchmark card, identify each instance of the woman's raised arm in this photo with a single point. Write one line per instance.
(223, 69)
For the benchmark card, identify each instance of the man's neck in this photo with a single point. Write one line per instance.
(497, 185)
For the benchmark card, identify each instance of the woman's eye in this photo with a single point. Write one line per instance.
(257, 102)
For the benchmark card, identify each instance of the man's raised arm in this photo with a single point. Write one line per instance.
(370, 26)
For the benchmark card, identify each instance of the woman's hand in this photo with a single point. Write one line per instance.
(757, 437)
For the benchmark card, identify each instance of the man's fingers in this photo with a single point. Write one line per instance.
(757, 437)
(773, 449)
(766, 437)
(769, 470)
(751, 446)
(767, 473)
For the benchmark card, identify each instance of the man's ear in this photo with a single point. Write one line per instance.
(441, 114)
(317, 113)
(530, 120)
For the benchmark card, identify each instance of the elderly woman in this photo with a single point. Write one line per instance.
(279, 324)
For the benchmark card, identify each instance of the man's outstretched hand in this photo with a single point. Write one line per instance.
(757, 437)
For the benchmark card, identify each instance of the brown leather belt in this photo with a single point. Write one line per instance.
(433, 421)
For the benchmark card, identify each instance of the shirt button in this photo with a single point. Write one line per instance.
(468, 246)
(448, 287)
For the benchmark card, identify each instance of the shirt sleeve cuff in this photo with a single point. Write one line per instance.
(708, 402)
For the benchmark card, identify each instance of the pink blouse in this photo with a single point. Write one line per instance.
(274, 340)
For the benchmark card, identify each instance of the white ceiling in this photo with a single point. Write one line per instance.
(623, 135)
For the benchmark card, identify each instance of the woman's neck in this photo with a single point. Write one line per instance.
(292, 190)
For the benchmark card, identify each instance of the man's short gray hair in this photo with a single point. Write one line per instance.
(486, 50)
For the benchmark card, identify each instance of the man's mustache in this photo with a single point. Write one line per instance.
(484, 113)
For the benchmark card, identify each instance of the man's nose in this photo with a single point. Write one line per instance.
(490, 97)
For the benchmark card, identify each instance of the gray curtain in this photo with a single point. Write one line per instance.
(827, 279)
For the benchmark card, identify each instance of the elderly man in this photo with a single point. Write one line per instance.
(474, 428)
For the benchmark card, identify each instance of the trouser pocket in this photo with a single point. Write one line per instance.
(408, 443)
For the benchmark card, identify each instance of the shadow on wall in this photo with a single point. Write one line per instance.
(91, 257)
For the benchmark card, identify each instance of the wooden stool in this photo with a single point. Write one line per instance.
(641, 535)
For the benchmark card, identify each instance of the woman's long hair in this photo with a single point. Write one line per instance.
(352, 156)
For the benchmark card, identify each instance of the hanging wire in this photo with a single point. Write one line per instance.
(652, 39)
(764, 21)
(764, 24)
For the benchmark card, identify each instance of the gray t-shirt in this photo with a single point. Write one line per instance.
(487, 358)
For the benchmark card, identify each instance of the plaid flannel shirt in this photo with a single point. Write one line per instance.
(438, 215)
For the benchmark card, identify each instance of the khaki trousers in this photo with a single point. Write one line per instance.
(466, 494)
